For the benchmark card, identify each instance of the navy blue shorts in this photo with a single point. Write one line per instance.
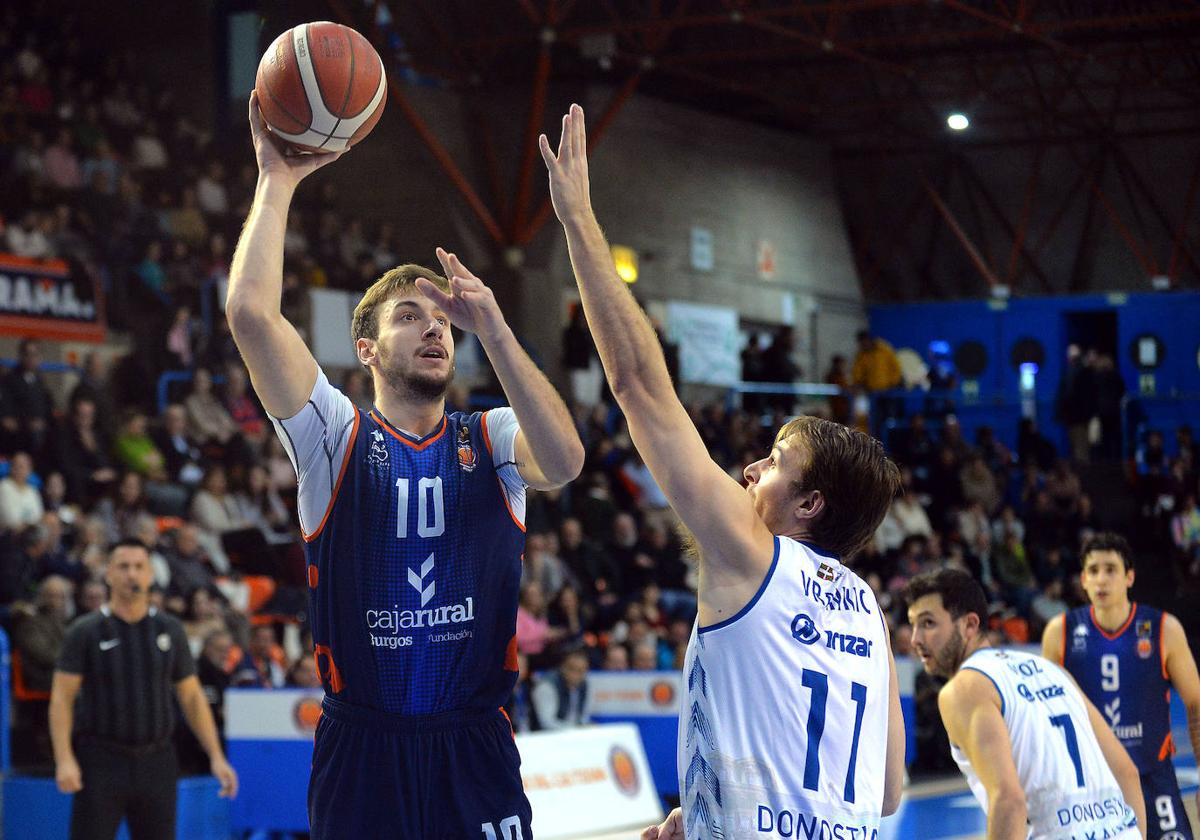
(1165, 817)
(377, 776)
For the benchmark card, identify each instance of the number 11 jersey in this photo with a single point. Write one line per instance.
(783, 730)
(414, 554)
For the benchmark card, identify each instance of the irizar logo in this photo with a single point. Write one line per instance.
(805, 631)
(417, 582)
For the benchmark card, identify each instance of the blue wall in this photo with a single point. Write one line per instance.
(1173, 317)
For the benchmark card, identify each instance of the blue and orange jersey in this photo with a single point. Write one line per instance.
(414, 554)
(1124, 674)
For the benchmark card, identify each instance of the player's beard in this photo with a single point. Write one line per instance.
(947, 660)
(412, 384)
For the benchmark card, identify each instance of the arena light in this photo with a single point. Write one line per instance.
(626, 261)
(958, 122)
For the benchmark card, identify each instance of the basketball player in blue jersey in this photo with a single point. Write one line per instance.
(1037, 755)
(1127, 657)
(792, 723)
(413, 520)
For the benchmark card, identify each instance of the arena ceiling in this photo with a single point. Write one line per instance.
(1080, 80)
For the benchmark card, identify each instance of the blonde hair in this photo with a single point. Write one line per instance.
(397, 282)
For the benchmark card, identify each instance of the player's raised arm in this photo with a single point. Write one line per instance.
(711, 504)
(970, 708)
(281, 367)
(1052, 639)
(548, 450)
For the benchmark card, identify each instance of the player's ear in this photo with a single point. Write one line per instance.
(366, 350)
(809, 505)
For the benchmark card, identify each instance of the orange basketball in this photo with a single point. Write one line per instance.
(321, 86)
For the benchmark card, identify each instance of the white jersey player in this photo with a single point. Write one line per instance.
(793, 720)
(1037, 755)
(786, 707)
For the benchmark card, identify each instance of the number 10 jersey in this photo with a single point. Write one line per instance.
(414, 554)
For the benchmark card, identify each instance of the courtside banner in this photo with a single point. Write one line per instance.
(634, 693)
(587, 781)
(46, 299)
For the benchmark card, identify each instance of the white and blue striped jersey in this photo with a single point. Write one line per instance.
(1070, 792)
(784, 727)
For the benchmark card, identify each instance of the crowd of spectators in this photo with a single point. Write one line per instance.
(112, 176)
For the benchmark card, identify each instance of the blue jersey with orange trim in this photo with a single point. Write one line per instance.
(415, 571)
(1124, 674)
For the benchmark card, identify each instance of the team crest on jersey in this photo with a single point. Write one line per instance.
(1145, 649)
(825, 572)
(466, 452)
(1079, 639)
(378, 453)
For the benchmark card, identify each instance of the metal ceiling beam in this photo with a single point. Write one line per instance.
(960, 234)
(432, 143)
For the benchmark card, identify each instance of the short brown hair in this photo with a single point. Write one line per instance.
(852, 472)
(399, 281)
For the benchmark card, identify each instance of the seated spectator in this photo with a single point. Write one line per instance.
(1008, 523)
(647, 495)
(208, 421)
(1033, 447)
(243, 408)
(121, 510)
(204, 617)
(519, 707)
(303, 674)
(61, 165)
(979, 484)
(616, 658)
(181, 340)
(212, 671)
(94, 385)
(263, 664)
(542, 567)
(20, 502)
(151, 273)
(135, 450)
(37, 641)
(20, 561)
(1185, 534)
(192, 567)
(181, 456)
(92, 596)
(566, 617)
(27, 237)
(645, 655)
(1064, 488)
(534, 633)
(210, 190)
(26, 405)
(588, 563)
(83, 455)
(54, 499)
(562, 700)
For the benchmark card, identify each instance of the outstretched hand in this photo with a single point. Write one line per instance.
(570, 190)
(470, 304)
(276, 157)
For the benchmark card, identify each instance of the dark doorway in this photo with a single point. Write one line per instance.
(1095, 329)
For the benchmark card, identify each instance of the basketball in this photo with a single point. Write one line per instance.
(321, 87)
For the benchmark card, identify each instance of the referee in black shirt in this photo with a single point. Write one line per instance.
(113, 748)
